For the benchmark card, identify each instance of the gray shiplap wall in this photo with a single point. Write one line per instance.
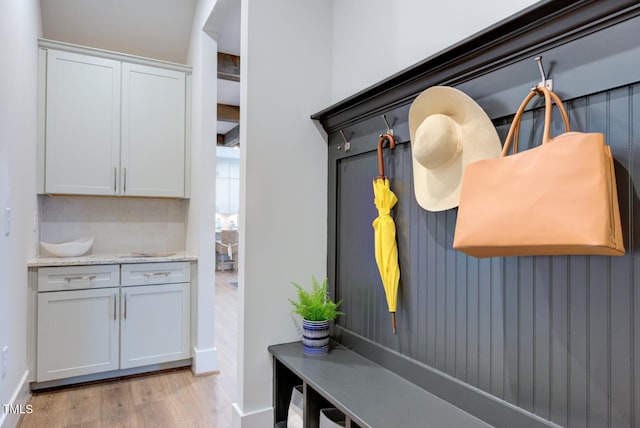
(554, 336)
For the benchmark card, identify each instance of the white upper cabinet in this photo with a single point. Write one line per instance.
(227, 185)
(82, 124)
(153, 131)
(113, 126)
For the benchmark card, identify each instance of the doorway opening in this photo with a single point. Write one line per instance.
(223, 26)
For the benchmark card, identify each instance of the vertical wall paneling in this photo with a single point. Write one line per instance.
(598, 319)
(632, 245)
(511, 326)
(526, 373)
(541, 326)
(406, 214)
(440, 286)
(554, 337)
(431, 286)
(450, 298)
(472, 322)
(559, 345)
(422, 269)
(461, 317)
(484, 324)
(621, 282)
(578, 351)
(579, 311)
(497, 328)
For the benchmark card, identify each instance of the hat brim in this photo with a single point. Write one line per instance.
(438, 189)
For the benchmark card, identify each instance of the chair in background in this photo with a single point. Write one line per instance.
(227, 250)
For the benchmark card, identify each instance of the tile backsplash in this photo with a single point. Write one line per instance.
(118, 225)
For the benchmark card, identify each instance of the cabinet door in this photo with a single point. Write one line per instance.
(153, 131)
(222, 168)
(77, 333)
(82, 135)
(154, 325)
(222, 195)
(234, 195)
(234, 169)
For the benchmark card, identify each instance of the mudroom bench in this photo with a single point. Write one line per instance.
(366, 393)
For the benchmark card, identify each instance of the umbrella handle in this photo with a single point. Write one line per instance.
(392, 145)
(393, 322)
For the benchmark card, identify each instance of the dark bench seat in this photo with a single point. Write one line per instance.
(368, 394)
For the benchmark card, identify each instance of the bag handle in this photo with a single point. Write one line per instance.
(514, 130)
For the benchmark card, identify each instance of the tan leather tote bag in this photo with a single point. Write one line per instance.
(559, 198)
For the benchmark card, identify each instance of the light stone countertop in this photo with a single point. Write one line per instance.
(108, 259)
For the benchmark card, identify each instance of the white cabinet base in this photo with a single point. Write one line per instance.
(77, 333)
(155, 324)
(122, 322)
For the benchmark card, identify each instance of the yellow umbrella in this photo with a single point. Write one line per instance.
(386, 248)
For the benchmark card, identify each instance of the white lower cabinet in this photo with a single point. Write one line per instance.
(78, 333)
(94, 330)
(154, 327)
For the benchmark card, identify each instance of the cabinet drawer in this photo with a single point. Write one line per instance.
(78, 277)
(155, 273)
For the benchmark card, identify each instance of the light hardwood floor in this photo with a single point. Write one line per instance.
(173, 399)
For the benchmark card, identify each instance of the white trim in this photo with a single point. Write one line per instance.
(21, 397)
(255, 419)
(42, 108)
(204, 361)
(101, 53)
(187, 138)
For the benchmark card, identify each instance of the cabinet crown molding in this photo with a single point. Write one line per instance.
(118, 56)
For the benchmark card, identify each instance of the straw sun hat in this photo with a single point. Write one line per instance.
(448, 130)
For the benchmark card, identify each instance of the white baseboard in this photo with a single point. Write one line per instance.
(256, 419)
(19, 401)
(204, 361)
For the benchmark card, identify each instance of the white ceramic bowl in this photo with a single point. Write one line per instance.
(73, 248)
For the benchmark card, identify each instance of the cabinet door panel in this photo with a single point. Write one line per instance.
(234, 195)
(82, 124)
(154, 324)
(222, 168)
(77, 333)
(234, 169)
(222, 195)
(153, 131)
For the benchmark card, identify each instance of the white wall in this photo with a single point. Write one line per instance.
(19, 29)
(284, 78)
(201, 219)
(373, 39)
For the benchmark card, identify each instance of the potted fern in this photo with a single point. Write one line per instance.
(316, 309)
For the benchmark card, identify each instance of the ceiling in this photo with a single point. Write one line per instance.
(159, 29)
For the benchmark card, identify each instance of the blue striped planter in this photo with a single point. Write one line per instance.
(315, 337)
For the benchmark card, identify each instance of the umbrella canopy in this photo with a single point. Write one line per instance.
(386, 248)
